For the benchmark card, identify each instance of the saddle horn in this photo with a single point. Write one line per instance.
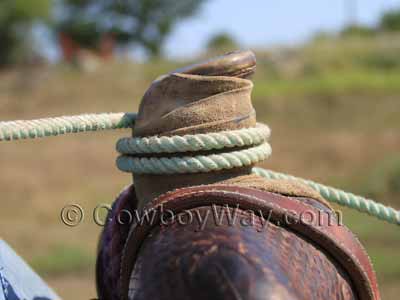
(200, 252)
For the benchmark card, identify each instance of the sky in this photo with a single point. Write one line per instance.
(264, 23)
(259, 24)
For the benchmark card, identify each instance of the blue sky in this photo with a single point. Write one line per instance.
(263, 23)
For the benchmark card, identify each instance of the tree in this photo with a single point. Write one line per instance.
(144, 22)
(390, 21)
(16, 18)
(222, 42)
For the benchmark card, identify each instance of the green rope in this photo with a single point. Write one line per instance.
(16, 130)
(195, 142)
(255, 139)
(378, 210)
(194, 164)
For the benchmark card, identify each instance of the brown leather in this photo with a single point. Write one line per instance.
(215, 258)
(111, 244)
(240, 64)
(179, 104)
(204, 97)
(149, 187)
(335, 240)
(188, 103)
(277, 186)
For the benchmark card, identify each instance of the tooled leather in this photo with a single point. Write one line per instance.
(337, 241)
(266, 262)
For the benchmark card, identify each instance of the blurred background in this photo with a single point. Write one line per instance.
(327, 82)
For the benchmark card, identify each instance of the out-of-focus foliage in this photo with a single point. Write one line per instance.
(358, 30)
(144, 22)
(390, 21)
(322, 36)
(16, 17)
(222, 42)
(23, 10)
(83, 32)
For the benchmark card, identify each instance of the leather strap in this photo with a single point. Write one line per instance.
(334, 239)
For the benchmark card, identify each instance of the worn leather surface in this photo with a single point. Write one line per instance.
(194, 104)
(328, 252)
(207, 97)
(241, 64)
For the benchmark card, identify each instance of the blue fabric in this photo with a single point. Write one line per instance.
(18, 281)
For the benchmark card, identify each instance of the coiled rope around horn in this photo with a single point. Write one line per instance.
(255, 141)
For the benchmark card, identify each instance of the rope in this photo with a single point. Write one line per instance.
(16, 130)
(194, 164)
(364, 205)
(253, 138)
(197, 142)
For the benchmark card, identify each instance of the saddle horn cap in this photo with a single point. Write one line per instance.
(241, 64)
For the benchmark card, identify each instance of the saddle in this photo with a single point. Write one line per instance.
(226, 234)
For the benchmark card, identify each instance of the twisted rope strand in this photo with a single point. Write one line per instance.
(194, 164)
(340, 197)
(195, 142)
(16, 130)
(256, 137)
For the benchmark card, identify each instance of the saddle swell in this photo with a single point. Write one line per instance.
(330, 246)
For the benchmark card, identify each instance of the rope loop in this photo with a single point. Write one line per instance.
(194, 164)
(195, 142)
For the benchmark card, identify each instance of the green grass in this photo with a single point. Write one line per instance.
(381, 240)
(383, 178)
(63, 259)
(380, 181)
(360, 82)
(386, 262)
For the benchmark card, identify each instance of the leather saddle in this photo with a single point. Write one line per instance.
(226, 234)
